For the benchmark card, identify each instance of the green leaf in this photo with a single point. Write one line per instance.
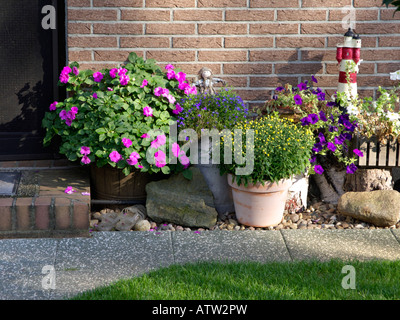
(166, 170)
(101, 131)
(132, 57)
(188, 174)
(102, 137)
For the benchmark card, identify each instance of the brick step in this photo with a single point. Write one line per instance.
(49, 211)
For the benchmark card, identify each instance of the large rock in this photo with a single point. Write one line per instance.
(178, 200)
(380, 207)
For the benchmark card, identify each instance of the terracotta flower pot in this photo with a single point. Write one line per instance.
(258, 205)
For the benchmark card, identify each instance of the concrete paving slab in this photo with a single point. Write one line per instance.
(261, 246)
(21, 265)
(342, 244)
(396, 233)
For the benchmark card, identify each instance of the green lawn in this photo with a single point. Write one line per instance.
(374, 280)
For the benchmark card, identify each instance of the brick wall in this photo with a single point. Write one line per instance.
(255, 45)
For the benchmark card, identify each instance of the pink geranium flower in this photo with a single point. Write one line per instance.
(113, 73)
(124, 80)
(85, 160)
(171, 98)
(176, 149)
(95, 95)
(145, 135)
(64, 77)
(122, 71)
(159, 141)
(69, 190)
(133, 158)
(181, 76)
(169, 66)
(178, 109)
(126, 142)
(158, 91)
(170, 74)
(98, 76)
(147, 111)
(85, 150)
(75, 71)
(144, 83)
(53, 106)
(160, 159)
(115, 156)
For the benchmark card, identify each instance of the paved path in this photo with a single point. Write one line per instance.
(81, 264)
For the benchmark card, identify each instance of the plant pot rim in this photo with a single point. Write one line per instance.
(259, 188)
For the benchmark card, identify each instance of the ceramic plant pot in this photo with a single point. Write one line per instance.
(258, 205)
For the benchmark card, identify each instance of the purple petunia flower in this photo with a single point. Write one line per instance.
(358, 153)
(302, 86)
(322, 116)
(331, 146)
(305, 121)
(331, 104)
(322, 139)
(314, 79)
(321, 96)
(317, 147)
(297, 99)
(318, 169)
(313, 118)
(279, 89)
(351, 168)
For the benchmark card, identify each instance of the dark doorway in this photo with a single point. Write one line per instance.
(31, 59)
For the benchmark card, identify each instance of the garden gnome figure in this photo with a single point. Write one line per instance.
(347, 55)
(206, 81)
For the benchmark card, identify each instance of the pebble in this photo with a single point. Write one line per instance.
(319, 215)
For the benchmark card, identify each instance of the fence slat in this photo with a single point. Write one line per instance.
(392, 145)
(363, 146)
(373, 152)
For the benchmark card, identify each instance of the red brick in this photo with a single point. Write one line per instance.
(8, 164)
(318, 55)
(79, 3)
(381, 54)
(301, 15)
(274, 28)
(80, 55)
(117, 3)
(170, 3)
(92, 42)
(367, 3)
(247, 68)
(62, 213)
(23, 212)
(222, 3)
(361, 15)
(226, 55)
(378, 28)
(251, 15)
(255, 95)
(42, 213)
(322, 28)
(171, 56)
(79, 28)
(197, 42)
(249, 42)
(102, 55)
(272, 81)
(99, 66)
(145, 42)
(170, 28)
(374, 81)
(297, 68)
(118, 28)
(387, 14)
(198, 15)
(325, 3)
(92, 15)
(365, 68)
(274, 4)
(5, 213)
(299, 42)
(146, 15)
(389, 41)
(81, 218)
(222, 28)
(193, 68)
(388, 67)
(273, 55)
(235, 81)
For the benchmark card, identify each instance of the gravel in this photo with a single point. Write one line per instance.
(319, 215)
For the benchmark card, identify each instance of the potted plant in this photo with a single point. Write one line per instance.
(332, 154)
(279, 150)
(117, 121)
(209, 114)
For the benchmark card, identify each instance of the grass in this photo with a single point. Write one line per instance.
(300, 280)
